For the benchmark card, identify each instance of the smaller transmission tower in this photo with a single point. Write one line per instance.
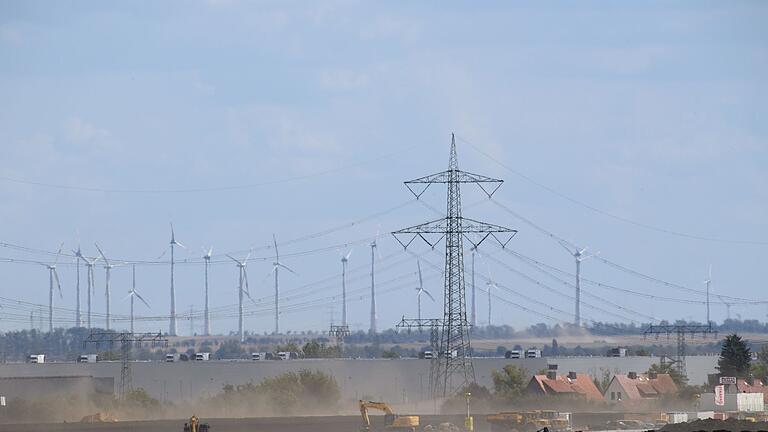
(127, 340)
(680, 331)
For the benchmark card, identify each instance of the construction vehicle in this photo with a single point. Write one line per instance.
(392, 421)
(99, 417)
(194, 425)
(530, 421)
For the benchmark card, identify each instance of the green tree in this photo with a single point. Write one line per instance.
(230, 349)
(390, 354)
(735, 357)
(667, 368)
(508, 383)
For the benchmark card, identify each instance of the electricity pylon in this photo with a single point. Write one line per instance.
(454, 370)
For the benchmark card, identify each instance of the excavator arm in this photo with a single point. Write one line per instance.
(381, 406)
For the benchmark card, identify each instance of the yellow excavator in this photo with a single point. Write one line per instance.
(392, 421)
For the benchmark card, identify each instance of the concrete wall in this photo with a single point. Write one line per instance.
(52, 386)
(391, 380)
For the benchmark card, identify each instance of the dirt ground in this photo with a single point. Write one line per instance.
(271, 424)
(716, 425)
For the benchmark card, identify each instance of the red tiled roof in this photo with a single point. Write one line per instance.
(644, 387)
(582, 386)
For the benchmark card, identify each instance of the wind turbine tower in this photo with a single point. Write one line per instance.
(474, 305)
(579, 255)
(708, 282)
(276, 270)
(172, 330)
(78, 314)
(133, 294)
(107, 269)
(242, 289)
(206, 318)
(344, 262)
(372, 330)
(52, 275)
(89, 263)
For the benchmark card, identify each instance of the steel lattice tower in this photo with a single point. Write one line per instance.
(453, 368)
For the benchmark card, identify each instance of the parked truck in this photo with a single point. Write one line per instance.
(36, 358)
(203, 356)
(88, 358)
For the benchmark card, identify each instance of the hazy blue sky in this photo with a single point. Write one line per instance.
(653, 111)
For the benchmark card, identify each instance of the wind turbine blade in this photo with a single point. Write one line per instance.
(349, 254)
(245, 278)
(230, 257)
(179, 244)
(247, 257)
(277, 254)
(247, 294)
(106, 261)
(130, 293)
(58, 283)
(421, 282)
(568, 249)
(430, 295)
(287, 268)
(58, 252)
(142, 299)
(210, 252)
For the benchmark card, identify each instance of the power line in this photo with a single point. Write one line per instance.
(204, 189)
(608, 214)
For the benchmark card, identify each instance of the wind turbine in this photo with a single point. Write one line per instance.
(372, 329)
(579, 255)
(242, 289)
(133, 294)
(172, 330)
(107, 269)
(420, 290)
(276, 270)
(78, 315)
(207, 258)
(52, 274)
(490, 285)
(344, 263)
(708, 282)
(89, 263)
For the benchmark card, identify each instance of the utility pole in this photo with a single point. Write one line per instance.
(680, 331)
(191, 321)
(126, 340)
(455, 370)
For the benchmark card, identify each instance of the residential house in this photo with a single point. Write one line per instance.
(571, 386)
(634, 387)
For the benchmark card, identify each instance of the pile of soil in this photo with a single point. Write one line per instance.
(710, 425)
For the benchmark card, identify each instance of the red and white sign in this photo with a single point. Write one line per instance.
(720, 395)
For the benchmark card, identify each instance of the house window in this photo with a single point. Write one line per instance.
(613, 395)
(618, 395)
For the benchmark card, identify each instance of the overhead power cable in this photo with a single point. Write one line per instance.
(203, 189)
(608, 214)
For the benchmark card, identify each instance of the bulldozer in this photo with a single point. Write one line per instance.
(194, 425)
(392, 421)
